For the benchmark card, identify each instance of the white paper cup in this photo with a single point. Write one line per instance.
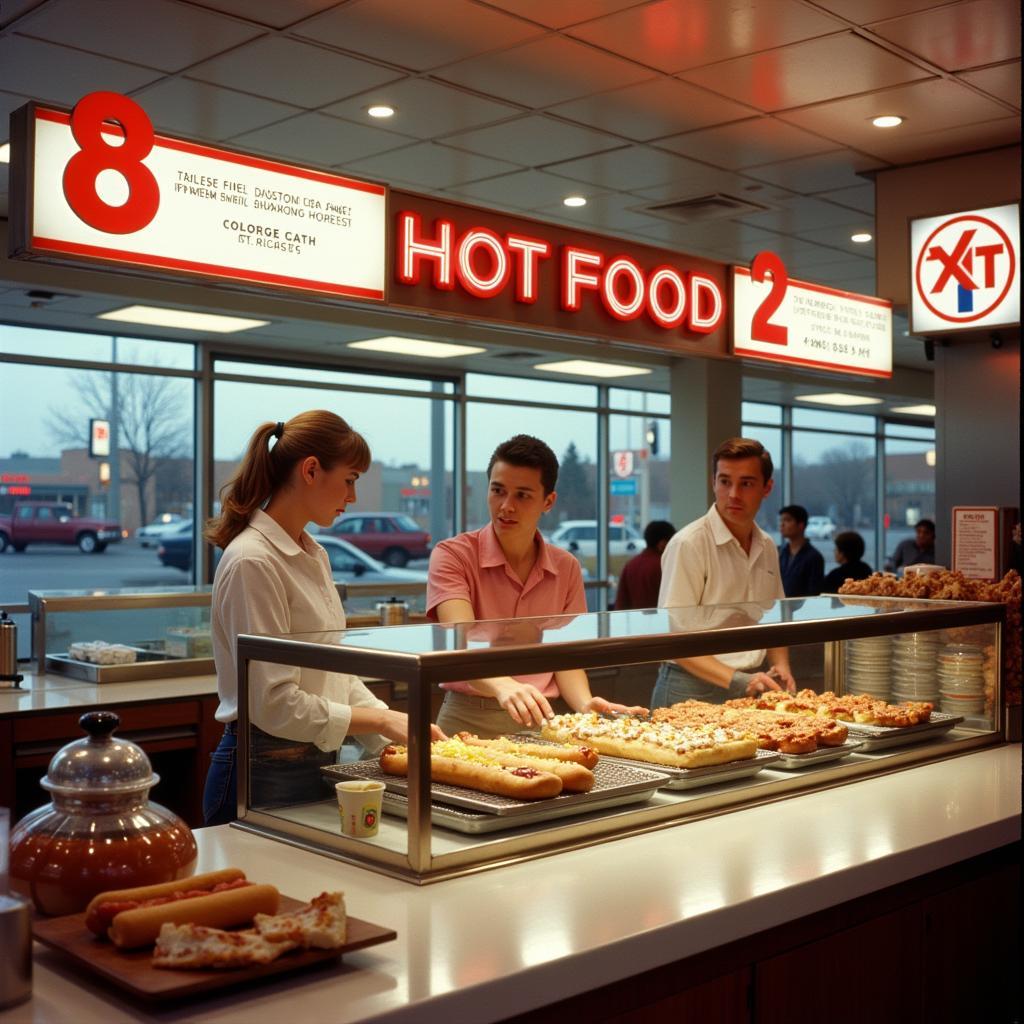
(359, 807)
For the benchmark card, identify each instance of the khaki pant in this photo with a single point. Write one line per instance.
(482, 716)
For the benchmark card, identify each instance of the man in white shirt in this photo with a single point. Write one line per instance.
(725, 558)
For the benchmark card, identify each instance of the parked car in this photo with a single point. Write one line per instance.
(150, 534)
(392, 537)
(54, 522)
(580, 537)
(348, 563)
(820, 528)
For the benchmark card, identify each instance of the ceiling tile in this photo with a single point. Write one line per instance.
(820, 69)
(722, 236)
(925, 106)
(1001, 81)
(802, 213)
(859, 197)
(414, 34)
(839, 238)
(318, 139)
(747, 143)
(58, 74)
(563, 12)
(430, 165)
(702, 179)
(661, 106)
(822, 173)
(425, 109)
(533, 140)
(525, 190)
(293, 72)
(9, 102)
(14, 9)
(965, 35)
(842, 273)
(170, 36)
(548, 71)
(1004, 131)
(612, 212)
(863, 12)
(276, 13)
(805, 258)
(673, 35)
(202, 111)
(637, 167)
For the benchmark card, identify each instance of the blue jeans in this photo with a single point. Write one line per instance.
(220, 793)
(673, 686)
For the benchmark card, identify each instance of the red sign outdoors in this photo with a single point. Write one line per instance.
(484, 265)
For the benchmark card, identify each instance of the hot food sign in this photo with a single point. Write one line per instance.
(965, 270)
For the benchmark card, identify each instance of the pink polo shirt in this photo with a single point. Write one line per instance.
(473, 567)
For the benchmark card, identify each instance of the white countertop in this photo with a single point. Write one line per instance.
(508, 940)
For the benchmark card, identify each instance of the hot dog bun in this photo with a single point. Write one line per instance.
(560, 751)
(480, 773)
(575, 778)
(134, 928)
(98, 920)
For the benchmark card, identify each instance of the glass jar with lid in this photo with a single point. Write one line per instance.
(100, 831)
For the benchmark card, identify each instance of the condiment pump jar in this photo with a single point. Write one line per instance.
(101, 831)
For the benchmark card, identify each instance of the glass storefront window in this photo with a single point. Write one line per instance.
(909, 490)
(44, 459)
(771, 438)
(821, 419)
(925, 433)
(103, 348)
(629, 400)
(339, 378)
(528, 389)
(761, 412)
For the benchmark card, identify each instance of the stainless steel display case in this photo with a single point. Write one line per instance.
(413, 847)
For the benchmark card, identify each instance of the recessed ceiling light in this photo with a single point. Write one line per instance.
(585, 368)
(574, 201)
(416, 347)
(915, 410)
(887, 121)
(158, 316)
(839, 398)
(5, 153)
(861, 237)
(381, 110)
(929, 457)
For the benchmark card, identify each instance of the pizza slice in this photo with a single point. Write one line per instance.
(321, 924)
(192, 946)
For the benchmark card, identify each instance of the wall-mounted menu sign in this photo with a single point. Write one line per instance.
(784, 321)
(965, 270)
(99, 185)
(976, 541)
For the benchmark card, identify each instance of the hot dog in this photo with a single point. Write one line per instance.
(575, 778)
(220, 899)
(560, 751)
(477, 771)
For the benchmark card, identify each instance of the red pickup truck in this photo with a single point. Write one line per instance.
(52, 522)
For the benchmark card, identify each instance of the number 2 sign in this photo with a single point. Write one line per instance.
(780, 320)
(99, 184)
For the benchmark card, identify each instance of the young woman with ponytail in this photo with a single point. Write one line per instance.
(274, 578)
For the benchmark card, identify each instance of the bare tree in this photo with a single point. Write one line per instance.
(151, 421)
(841, 483)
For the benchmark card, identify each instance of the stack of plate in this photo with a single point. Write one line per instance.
(869, 666)
(915, 667)
(961, 679)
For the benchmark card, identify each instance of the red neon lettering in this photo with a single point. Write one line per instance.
(575, 276)
(413, 249)
(530, 252)
(477, 240)
(705, 294)
(623, 309)
(666, 278)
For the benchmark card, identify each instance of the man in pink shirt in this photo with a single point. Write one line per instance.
(504, 571)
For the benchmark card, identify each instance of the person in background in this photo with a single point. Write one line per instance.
(720, 559)
(504, 571)
(800, 561)
(849, 554)
(641, 575)
(919, 550)
(274, 578)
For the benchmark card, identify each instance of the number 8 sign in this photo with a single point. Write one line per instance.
(99, 185)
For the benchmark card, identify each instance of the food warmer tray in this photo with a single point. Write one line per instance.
(791, 762)
(151, 662)
(614, 785)
(707, 775)
(878, 737)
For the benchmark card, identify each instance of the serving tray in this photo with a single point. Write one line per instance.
(791, 762)
(708, 775)
(133, 972)
(613, 784)
(148, 664)
(878, 737)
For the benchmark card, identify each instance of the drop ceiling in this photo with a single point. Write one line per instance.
(515, 104)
